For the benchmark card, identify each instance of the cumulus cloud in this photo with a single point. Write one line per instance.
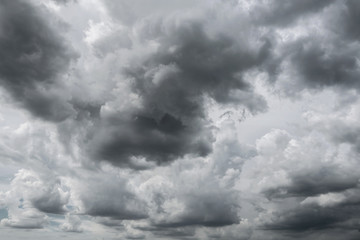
(187, 66)
(171, 120)
(33, 59)
(311, 179)
(319, 57)
(113, 199)
(72, 224)
(30, 197)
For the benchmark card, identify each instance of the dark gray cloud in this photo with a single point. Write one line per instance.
(310, 218)
(305, 219)
(173, 82)
(320, 180)
(162, 141)
(326, 57)
(346, 23)
(33, 58)
(322, 65)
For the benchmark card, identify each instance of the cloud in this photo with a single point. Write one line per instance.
(136, 136)
(320, 66)
(309, 182)
(305, 219)
(72, 224)
(172, 82)
(206, 209)
(348, 16)
(63, 1)
(29, 219)
(41, 193)
(34, 57)
(30, 197)
(316, 58)
(286, 13)
(113, 199)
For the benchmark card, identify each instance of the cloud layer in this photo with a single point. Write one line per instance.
(192, 120)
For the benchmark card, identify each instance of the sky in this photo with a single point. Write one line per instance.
(182, 119)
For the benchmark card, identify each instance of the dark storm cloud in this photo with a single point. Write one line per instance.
(172, 82)
(201, 64)
(349, 18)
(159, 141)
(33, 56)
(319, 59)
(305, 218)
(320, 65)
(316, 181)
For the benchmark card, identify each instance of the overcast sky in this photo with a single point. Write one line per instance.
(179, 119)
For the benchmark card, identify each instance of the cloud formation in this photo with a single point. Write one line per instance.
(34, 57)
(183, 120)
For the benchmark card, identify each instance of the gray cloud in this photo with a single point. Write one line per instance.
(320, 180)
(314, 217)
(142, 136)
(149, 94)
(347, 19)
(63, 1)
(206, 209)
(112, 199)
(179, 232)
(33, 58)
(30, 197)
(173, 82)
(305, 219)
(320, 66)
(326, 57)
(286, 12)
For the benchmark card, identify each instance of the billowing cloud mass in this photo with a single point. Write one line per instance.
(34, 57)
(178, 119)
(172, 81)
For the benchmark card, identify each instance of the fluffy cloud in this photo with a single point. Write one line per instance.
(172, 82)
(30, 197)
(310, 182)
(157, 121)
(72, 224)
